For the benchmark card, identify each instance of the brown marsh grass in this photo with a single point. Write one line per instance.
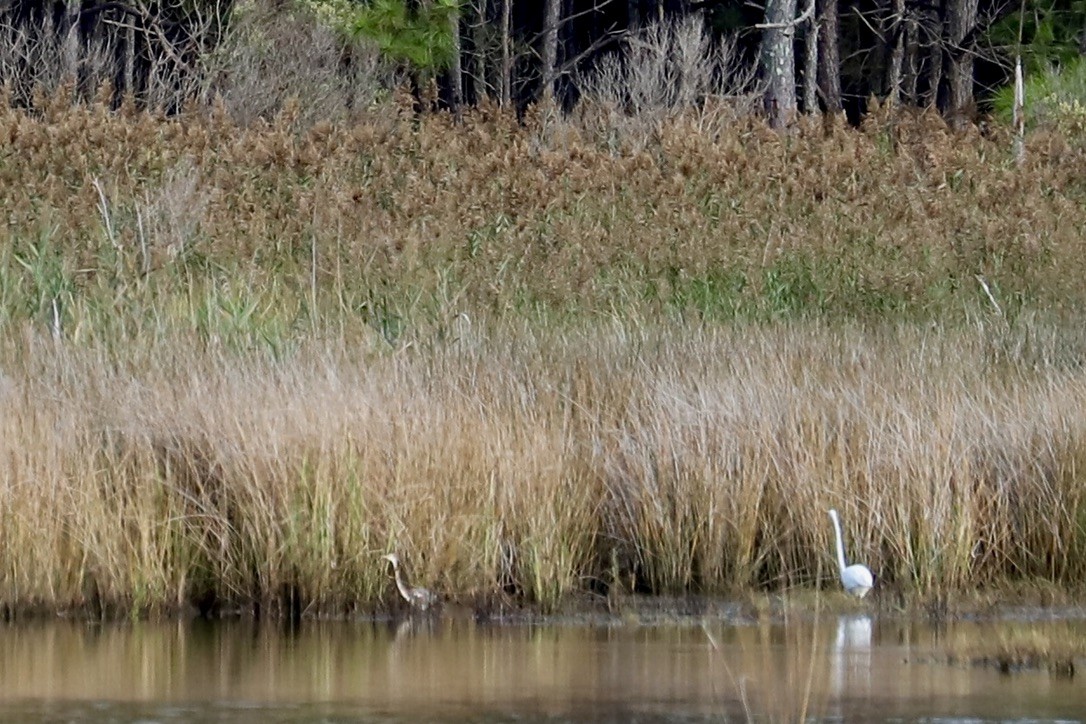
(240, 363)
(403, 223)
(700, 459)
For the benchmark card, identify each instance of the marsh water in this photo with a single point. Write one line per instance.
(820, 668)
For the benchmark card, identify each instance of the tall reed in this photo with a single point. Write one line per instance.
(535, 463)
(405, 224)
(238, 363)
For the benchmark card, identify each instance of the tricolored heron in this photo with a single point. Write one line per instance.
(419, 598)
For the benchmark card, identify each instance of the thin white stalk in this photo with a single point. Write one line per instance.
(103, 207)
(1019, 113)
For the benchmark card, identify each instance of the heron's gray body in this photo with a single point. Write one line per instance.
(419, 598)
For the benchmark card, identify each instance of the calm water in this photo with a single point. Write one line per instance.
(853, 668)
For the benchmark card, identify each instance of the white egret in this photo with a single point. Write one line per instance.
(419, 598)
(857, 578)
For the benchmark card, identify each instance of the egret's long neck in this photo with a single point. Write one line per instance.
(840, 544)
(405, 591)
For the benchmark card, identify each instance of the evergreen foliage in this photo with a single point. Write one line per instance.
(1052, 33)
(1055, 96)
(414, 33)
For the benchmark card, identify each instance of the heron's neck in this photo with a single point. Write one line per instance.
(405, 590)
(840, 544)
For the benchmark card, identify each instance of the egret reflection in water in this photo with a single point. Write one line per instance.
(854, 668)
(851, 660)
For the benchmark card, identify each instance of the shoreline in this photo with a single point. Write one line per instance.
(1026, 602)
(665, 461)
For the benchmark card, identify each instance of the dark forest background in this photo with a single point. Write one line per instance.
(822, 55)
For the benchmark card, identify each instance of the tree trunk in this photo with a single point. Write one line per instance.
(455, 74)
(477, 85)
(935, 61)
(778, 61)
(912, 60)
(549, 54)
(130, 60)
(810, 67)
(829, 58)
(71, 42)
(961, 18)
(507, 53)
(894, 69)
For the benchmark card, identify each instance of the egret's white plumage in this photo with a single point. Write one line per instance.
(857, 578)
(419, 598)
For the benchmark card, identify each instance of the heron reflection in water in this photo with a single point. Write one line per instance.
(421, 599)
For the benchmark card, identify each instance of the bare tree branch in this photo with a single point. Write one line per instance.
(791, 24)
